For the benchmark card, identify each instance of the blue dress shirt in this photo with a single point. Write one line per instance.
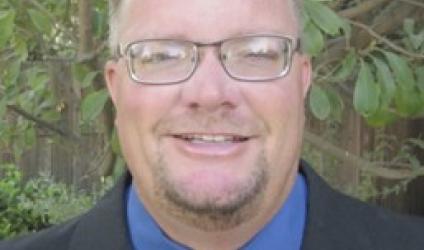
(284, 231)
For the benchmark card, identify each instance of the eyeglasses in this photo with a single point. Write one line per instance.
(252, 58)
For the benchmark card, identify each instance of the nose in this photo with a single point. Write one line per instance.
(210, 88)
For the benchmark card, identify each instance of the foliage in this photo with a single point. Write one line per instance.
(389, 84)
(35, 36)
(36, 204)
(16, 217)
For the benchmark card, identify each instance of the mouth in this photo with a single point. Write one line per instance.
(209, 138)
(211, 145)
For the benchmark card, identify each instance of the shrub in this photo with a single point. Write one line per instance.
(40, 202)
(15, 216)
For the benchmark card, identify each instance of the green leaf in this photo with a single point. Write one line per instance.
(40, 20)
(99, 22)
(419, 71)
(21, 48)
(11, 73)
(88, 79)
(347, 66)
(7, 25)
(385, 78)
(416, 39)
(314, 40)
(80, 71)
(114, 141)
(408, 102)
(37, 79)
(93, 105)
(324, 17)
(403, 73)
(407, 97)
(319, 102)
(381, 118)
(3, 103)
(408, 26)
(366, 94)
(305, 18)
(336, 104)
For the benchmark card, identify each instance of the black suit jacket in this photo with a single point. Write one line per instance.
(334, 222)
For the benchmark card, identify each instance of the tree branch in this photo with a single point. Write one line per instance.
(38, 121)
(389, 19)
(360, 9)
(413, 3)
(85, 44)
(360, 163)
(386, 41)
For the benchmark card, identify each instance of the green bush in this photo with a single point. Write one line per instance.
(40, 202)
(15, 216)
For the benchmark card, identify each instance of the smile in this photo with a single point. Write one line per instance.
(208, 138)
(200, 145)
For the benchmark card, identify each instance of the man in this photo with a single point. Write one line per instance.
(209, 99)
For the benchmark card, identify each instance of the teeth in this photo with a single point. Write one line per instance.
(212, 138)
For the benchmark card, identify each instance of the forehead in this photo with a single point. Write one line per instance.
(205, 20)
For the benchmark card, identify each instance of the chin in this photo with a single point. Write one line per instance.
(211, 200)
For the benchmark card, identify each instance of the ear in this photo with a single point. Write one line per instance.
(112, 79)
(306, 74)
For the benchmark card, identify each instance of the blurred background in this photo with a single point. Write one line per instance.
(58, 148)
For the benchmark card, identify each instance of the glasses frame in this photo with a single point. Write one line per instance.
(293, 46)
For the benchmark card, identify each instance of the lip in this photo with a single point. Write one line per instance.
(210, 149)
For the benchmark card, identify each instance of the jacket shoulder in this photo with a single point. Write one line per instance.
(53, 238)
(336, 221)
(383, 229)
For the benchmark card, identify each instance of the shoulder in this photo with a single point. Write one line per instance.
(53, 238)
(336, 221)
(386, 229)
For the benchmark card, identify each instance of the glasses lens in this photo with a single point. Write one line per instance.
(161, 61)
(256, 58)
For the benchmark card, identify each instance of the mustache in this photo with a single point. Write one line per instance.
(210, 123)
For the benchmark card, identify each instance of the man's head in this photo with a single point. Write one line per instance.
(212, 151)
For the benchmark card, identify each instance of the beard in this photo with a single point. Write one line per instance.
(208, 212)
(203, 208)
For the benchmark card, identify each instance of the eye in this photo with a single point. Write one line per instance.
(158, 57)
(262, 55)
(259, 57)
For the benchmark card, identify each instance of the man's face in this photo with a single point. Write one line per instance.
(182, 141)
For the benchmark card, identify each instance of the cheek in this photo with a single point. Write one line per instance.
(139, 108)
(144, 104)
(276, 103)
(280, 106)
